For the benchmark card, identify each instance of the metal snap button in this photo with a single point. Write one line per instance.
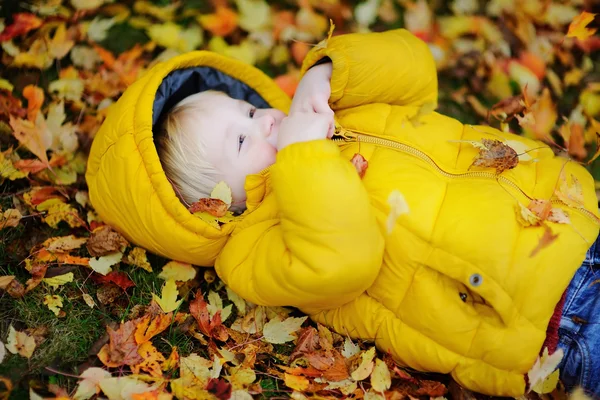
(475, 280)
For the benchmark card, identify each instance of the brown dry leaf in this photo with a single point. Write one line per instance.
(10, 218)
(5, 281)
(152, 360)
(574, 138)
(360, 164)
(149, 327)
(137, 256)
(569, 191)
(15, 289)
(122, 348)
(215, 207)
(107, 294)
(546, 240)
(64, 244)
(104, 240)
(496, 155)
(542, 118)
(20, 343)
(508, 108)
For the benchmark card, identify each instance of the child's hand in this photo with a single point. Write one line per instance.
(304, 127)
(313, 91)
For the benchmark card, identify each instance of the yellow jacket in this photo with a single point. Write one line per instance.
(452, 288)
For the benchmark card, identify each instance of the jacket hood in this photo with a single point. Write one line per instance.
(127, 184)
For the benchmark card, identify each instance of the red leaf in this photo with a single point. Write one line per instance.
(119, 278)
(22, 23)
(199, 310)
(215, 207)
(220, 388)
(360, 164)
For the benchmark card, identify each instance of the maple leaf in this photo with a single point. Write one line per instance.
(168, 300)
(22, 23)
(578, 27)
(104, 240)
(31, 136)
(496, 155)
(122, 348)
(57, 210)
(20, 343)
(360, 164)
(90, 385)
(222, 23)
(542, 376)
(277, 331)
(547, 238)
(350, 349)
(54, 303)
(137, 256)
(209, 327)
(149, 327)
(119, 278)
(177, 271)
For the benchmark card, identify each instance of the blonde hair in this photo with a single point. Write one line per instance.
(183, 153)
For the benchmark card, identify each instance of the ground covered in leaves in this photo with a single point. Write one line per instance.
(84, 313)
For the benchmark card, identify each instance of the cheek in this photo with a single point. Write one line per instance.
(263, 155)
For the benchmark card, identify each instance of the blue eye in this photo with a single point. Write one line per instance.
(252, 111)
(241, 139)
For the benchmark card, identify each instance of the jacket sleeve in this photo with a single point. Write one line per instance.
(322, 246)
(393, 67)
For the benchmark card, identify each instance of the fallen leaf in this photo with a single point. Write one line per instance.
(222, 23)
(569, 191)
(152, 360)
(542, 371)
(177, 271)
(573, 135)
(350, 348)
(211, 327)
(215, 304)
(398, 206)
(54, 303)
(366, 365)
(107, 294)
(380, 377)
(123, 388)
(547, 238)
(542, 118)
(215, 207)
(57, 211)
(10, 218)
(102, 265)
(122, 348)
(296, 382)
(2, 352)
(59, 280)
(360, 164)
(240, 303)
(20, 343)
(119, 278)
(137, 256)
(104, 240)
(149, 327)
(5, 281)
(168, 299)
(31, 136)
(219, 388)
(277, 331)
(22, 23)
(63, 244)
(578, 27)
(90, 384)
(241, 378)
(88, 300)
(35, 100)
(496, 155)
(173, 361)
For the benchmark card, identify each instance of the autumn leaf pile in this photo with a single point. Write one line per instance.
(84, 313)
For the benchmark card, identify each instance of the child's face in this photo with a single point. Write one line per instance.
(241, 139)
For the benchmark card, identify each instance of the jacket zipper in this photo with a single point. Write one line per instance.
(348, 135)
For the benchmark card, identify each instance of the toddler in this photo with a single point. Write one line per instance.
(437, 261)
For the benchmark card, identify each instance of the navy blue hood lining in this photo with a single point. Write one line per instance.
(181, 83)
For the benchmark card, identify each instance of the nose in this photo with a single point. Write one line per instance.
(266, 125)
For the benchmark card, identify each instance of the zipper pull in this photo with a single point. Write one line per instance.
(342, 132)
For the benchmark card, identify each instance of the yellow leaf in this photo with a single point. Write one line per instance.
(380, 378)
(296, 382)
(215, 304)
(98, 28)
(541, 374)
(277, 331)
(2, 352)
(240, 378)
(526, 217)
(177, 271)
(578, 29)
(5, 281)
(138, 257)
(10, 218)
(89, 300)
(87, 4)
(168, 300)
(366, 365)
(222, 192)
(54, 303)
(20, 343)
(89, 385)
(123, 388)
(543, 118)
(255, 15)
(6, 85)
(166, 13)
(68, 89)
(59, 280)
(172, 36)
(64, 244)
(398, 206)
(240, 303)
(8, 170)
(570, 191)
(102, 265)
(31, 136)
(58, 211)
(350, 348)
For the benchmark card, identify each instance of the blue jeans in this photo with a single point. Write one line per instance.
(579, 330)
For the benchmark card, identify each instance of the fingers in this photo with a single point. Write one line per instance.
(320, 105)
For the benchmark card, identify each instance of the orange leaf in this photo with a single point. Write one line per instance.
(573, 135)
(578, 29)
(543, 117)
(299, 50)
(35, 100)
(211, 328)
(172, 362)
(541, 208)
(222, 23)
(360, 164)
(22, 23)
(30, 136)
(150, 327)
(288, 83)
(215, 207)
(152, 360)
(547, 238)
